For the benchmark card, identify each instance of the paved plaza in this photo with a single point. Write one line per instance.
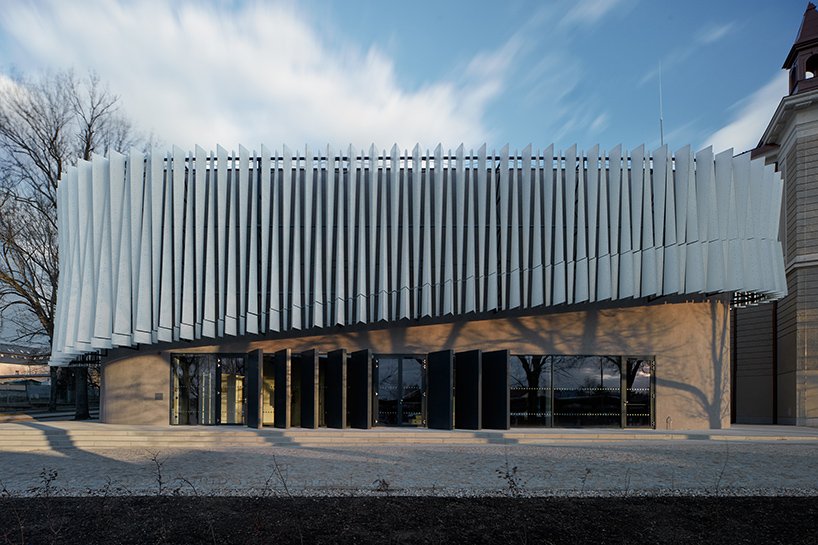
(740, 461)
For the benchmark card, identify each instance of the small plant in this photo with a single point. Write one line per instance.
(187, 482)
(158, 464)
(723, 466)
(584, 477)
(627, 481)
(47, 490)
(281, 474)
(514, 487)
(382, 485)
(47, 478)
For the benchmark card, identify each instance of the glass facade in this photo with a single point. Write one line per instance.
(207, 389)
(544, 390)
(581, 391)
(587, 391)
(530, 390)
(638, 392)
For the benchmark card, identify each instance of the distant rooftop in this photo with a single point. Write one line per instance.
(11, 353)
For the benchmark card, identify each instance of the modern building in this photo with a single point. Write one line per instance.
(479, 290)
(776, 346)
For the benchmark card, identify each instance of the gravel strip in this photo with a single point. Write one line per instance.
(672, 468)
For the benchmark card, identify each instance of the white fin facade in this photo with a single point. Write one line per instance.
(185, 245)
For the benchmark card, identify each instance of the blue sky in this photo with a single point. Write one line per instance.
(336, 73)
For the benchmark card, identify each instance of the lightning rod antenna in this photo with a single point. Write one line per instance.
(661, 110)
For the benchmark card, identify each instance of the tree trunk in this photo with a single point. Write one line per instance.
(81, 393)
(52, 396)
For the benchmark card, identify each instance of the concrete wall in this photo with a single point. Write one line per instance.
(689, 340)
(131, 386)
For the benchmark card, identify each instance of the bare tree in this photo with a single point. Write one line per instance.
(46, 124)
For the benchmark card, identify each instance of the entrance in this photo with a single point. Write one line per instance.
(401, 390)
(207, 389)
(308, 387)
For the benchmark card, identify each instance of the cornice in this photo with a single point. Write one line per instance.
(786, 108)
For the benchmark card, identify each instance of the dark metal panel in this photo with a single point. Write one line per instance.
(359, 393)
(254, 367)
(309, 389)
(468, 390)
(440, 375)
(336, 389)
(282, 395)
(496, 411)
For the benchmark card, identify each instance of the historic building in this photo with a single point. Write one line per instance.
(776, 346)
(469, 290)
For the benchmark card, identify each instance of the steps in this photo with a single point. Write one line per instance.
(58, 439)
(39, 436)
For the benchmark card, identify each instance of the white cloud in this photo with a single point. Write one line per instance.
(599, 124)
(709, 34)
(754, 112)
(588, 12)
(251, 73)
(713, 32)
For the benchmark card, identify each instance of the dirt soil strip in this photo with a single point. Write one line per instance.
(218, 520)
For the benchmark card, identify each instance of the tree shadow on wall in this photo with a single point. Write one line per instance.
(581, 333)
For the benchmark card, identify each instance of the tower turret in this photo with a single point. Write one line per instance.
(802, 60)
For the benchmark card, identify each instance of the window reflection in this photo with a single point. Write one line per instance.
(587, 391)
(412, 393)
(638, 394)
(400, 390)
(231, 372)
(388, 390)
(544, 390)
(530, 390)
(207, 389)
(268, 391)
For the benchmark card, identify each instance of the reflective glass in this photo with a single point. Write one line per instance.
(389, 390)
(400, 393)
(587, 391)
(322, 390)
(412, 398)
(295, 390)
(268, 391)
(530, 390)
(231, 371)
(638, 398)
(194, 389)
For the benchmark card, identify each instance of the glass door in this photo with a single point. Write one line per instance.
(231, 381)
(400, 394)
(411, 403)
(637, 392)
(388, 393)
(268, 391)
(207, 389)
(194, 390)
